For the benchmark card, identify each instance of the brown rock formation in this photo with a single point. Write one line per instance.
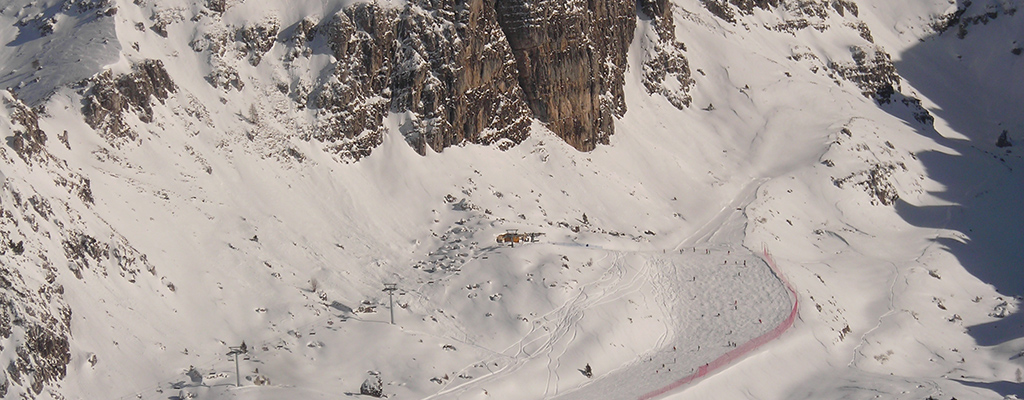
(463, 70)
(443, 60)
(111, 96)
(661, 12)
(28, 141)
(362, 40)
(454, 70)
(571, 57)
(872, 70)
(665, 60)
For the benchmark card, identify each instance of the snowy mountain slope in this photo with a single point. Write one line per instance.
(925, 341)
(49, 44)
(204, 210)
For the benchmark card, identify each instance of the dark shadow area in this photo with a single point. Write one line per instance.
(345, 312)
(35, 28)
(58, 47)
(341, 307)
(314, 33)
(974, 78)
(1000, 331)
(1004, 388)
(44, 22)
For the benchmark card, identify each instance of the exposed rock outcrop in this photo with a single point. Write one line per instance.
(454, 71)
(258, 38)
(84, 251)
(804, 7)
(661, 12)
(217, 5)
(372, 387)
(35, 321)
(571, 57)
(748, 6)
(876, 181)
(462, 71)
(28, 140)
(444, 62)
(964, 17)
(666, 60)
(876, 169)
(350, 106)
(871, 68)
(873, 72)
(1004, 140)
(110, 97)
(802, 10)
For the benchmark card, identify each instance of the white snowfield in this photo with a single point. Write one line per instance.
(650, 267)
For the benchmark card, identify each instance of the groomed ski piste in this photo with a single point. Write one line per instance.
(742, 350)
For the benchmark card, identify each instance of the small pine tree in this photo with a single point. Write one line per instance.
(587, 372)
(254, 114)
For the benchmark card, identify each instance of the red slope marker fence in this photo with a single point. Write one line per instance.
(745, 348)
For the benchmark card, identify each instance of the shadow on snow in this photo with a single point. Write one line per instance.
(972, 75)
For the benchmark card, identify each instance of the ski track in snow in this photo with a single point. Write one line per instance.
(703, 238)
(892, 310)
(558, 328)
(551, 334)
(741, 351)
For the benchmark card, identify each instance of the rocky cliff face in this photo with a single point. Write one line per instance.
(666, 70)
(443, 61)
(34, 320)
(968, 14)
(465, 70)
(110, 97)
(571, 58)
(475, 70)
(28, 141)
(350, 108)
(468, 78)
